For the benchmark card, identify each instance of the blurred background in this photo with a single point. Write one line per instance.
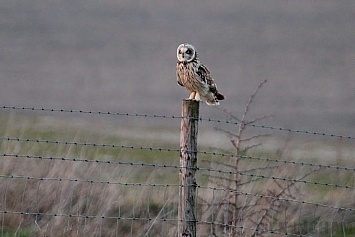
(120, 56)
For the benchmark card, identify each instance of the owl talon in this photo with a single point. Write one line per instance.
(192, 96)
(197, 97)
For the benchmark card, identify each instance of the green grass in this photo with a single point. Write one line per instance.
(18, 233)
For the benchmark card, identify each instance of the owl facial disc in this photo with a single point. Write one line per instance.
(186, 53)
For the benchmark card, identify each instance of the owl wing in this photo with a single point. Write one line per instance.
(178, 77)
(205, 77)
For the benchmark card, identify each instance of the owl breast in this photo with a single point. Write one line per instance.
(190, 79)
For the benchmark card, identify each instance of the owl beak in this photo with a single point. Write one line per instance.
(185, 56)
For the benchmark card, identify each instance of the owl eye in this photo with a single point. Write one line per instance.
(180, 52)
(188, 51)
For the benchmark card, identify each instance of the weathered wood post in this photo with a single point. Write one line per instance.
(188, 164)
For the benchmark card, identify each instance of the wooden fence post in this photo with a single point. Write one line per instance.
(188, 164)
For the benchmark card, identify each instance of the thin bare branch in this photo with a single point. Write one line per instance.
(231, 116)
(255, 137)
(251, 100)
(245, 149)
(258, 119)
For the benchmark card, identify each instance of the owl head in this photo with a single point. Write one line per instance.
(186, 53)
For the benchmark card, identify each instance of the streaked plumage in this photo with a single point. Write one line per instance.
(195, 76)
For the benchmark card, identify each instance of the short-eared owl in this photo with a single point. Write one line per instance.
(195, 76)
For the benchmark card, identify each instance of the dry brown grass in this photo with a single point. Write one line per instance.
(80, 198)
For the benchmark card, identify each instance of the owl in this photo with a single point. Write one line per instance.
(195, 76)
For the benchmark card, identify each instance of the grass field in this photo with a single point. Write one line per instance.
(59, 182)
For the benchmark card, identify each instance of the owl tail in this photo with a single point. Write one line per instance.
(219, 96)
(215, 102)
(212, 98)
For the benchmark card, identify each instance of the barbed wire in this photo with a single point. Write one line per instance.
(177, 150)
(90, 161)
(179, 185)
(91, 112)
(178, 167)
(87, 181)
(175, 117)
(150, 219)
(88, 144)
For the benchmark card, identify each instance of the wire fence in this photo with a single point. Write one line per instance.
(54, 185)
